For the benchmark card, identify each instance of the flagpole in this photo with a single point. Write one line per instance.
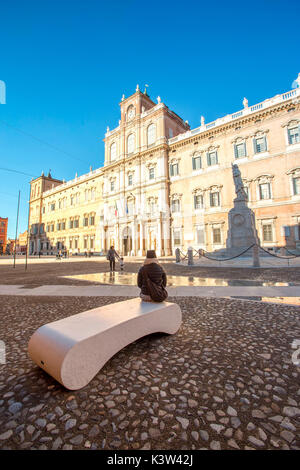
(17, 230)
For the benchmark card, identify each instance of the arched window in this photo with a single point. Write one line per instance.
(151, 134)
(113, 151)
(130, 143)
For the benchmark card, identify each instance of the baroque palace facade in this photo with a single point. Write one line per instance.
(165, 186)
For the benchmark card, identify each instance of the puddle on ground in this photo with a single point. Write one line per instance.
(130, 279)
(278, 300)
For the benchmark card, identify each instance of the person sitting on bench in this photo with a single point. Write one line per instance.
(152, 279)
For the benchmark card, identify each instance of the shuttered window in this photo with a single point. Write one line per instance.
(196, 162)
(260, 145)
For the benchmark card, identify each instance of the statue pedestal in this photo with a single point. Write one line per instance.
(241, 228)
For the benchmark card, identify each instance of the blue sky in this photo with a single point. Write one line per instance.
(66, 64)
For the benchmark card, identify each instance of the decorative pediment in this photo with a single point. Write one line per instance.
(292, 123)
(260, 133)
(212, 148)
(198, 191)
(214, 187)
(151, 164)
(175, 196)
(175, 160)
(197, 153)
(295, 172)
(240, 139)
(264, 179)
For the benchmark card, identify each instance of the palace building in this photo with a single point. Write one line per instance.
(164, 185)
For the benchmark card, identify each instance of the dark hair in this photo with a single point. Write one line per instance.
(111, 247)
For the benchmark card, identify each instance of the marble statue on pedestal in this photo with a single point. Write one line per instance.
(242, 232)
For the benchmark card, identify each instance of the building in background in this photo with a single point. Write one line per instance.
(10, 246)
(164, 185)
(22, 243)
(3, 234)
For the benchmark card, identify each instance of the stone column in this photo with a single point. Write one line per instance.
(159, 236)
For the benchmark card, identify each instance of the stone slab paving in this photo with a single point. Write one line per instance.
(226, 380)
(131, 291)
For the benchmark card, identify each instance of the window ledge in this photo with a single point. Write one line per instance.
(292, 147)
(242, 159)
(212, 167)
(261, 155)
(197, 172)
(264, 202)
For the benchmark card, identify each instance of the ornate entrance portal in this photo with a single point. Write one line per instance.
(127, 241)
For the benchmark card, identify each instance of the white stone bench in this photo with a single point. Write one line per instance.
(74, 349)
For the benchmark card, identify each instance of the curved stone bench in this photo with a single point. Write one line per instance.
(74, 349)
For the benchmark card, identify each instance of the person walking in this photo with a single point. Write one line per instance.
(152, 279)
(111, 257)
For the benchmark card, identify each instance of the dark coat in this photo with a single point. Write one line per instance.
(111, 254)
(155, 273)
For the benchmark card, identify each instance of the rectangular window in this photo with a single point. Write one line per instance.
(296, 186)
(92, 220)
(240, 150)
(216, 236)
(267, 233)
(200, 235)
(72, 200)
(196, 163)
(152, 207)
(76, 243)
(265, 191)
(130, 180)
(112, 185)
(85, 243)
(70, 244)
(246, 191)
(58, 226)
(214, 199)
(76, 223)
(151, 174)
(198, 201)
(293, 135)
(260, 145)
(63, 226)
(174, 169)
(71, 223)
(212, 158)
(52, 228)
(176, 205)
(177, 238)
(85, 221)
(52, 207)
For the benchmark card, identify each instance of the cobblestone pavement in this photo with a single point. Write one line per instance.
(52, 272)
(226, 380)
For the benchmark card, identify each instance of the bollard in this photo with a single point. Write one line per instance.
(256, 263)
(177, 254)
(190, 256)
